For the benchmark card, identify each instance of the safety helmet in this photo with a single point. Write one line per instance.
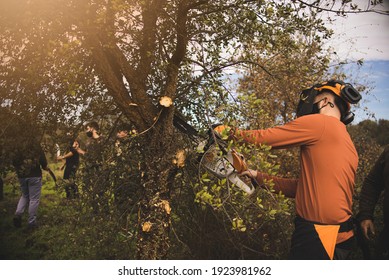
(347, 93)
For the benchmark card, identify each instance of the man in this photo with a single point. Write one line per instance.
(94, 140)
(1, 189)
(72, 161)
(123, 160)
(28, 160)
(323, 192)
(94, 177)
(376, 182)
(94, 148)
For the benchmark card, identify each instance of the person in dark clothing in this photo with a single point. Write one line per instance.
(72, 158)
(94, 148)
(124, 168)
(94, 177)
(376, 183)
(1, 189)
(29, 160)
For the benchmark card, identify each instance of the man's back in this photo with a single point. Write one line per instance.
(327, 176)
(328, 164)
(28, 160)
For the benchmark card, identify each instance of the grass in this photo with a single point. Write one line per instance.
(67, 229)
(22, 243)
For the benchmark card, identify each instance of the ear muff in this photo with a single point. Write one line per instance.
(350, 94)
(343, 106)
(346, 92)
(348, 118)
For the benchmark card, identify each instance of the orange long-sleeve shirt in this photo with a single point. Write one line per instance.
(329, 160)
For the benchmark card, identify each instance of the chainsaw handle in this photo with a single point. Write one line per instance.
(234, 178)
(238, 161)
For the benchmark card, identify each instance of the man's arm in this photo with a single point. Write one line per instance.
(80, 151)
(371, 189)
(67, 155)
(301, 131)
(42, 160)
(284, 185)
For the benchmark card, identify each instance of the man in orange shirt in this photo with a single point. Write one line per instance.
(323, 192)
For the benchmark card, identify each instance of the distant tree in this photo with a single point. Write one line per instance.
(369, 127)
(292, 69)
(379, 131)
(383, 132)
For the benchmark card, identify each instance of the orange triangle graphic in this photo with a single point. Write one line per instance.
(328, 235)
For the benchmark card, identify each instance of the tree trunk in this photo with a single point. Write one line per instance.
(154, 210)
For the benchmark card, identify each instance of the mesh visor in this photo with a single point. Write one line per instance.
(305, 104)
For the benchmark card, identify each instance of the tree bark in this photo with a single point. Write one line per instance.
(154, 122)
(154, 209)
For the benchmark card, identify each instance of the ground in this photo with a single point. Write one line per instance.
(22, 243)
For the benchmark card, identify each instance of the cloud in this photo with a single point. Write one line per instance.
(363, 35)
(378, 101)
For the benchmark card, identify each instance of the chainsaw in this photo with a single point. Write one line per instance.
(215, 156)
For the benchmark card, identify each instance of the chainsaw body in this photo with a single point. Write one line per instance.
(226, 164)
(216, 158)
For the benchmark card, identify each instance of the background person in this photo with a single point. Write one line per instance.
(123, 158)
(29, 160)
(95, 177)
(376, 183)
(72, 159)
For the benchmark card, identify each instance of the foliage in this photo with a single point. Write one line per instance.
(67, 62)
(375, 130)
(367, 137)
(67, 229)
(277, 90)
(368, 148)
(249, 220)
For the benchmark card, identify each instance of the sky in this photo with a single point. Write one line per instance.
(366, 36)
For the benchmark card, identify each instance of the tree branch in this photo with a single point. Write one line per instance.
(150, 13)
(368, 10)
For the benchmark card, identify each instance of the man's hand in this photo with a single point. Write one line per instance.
(368, 229)
(250, 173)
(223, 130)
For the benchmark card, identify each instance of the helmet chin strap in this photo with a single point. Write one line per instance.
(348, 118)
